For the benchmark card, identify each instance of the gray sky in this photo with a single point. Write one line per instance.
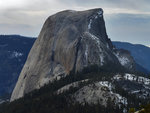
(126, 20)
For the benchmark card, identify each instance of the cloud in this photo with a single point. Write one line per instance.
(126, 20)
(134, 28)
(4, 4)
(133, 6)
(141, 5)
(21, 29)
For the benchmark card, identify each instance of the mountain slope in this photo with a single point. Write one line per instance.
(95, 91)
(13, 53)
(140, 53)
(68, 42)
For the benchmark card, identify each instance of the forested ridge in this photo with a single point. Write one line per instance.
(45, 100)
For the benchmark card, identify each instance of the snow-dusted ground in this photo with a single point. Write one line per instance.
(86, 53)
(123, 60)
(2, 101)
(106, 84)
(109, 85)
(97, 42)
(132, 77)
(99, 91)
(93, 93)
(89, 25)
(99, 14)
(103, 90)
(141, 84)
(16, 54)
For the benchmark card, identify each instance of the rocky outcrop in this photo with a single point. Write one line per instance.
(140, 53)
(98, 92)
(68, 41)
(125, 58)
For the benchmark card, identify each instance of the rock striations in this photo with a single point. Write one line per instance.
(68, 41)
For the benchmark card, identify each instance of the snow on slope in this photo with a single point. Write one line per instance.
(99, 14)
(101, 91)
(132, 77)
(138, 85)
(16, 54)
(140, 53)
(123, 60)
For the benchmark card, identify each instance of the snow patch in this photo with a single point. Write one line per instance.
(123, 60)
(106, 84)
(2, 101)
(102, 59)
(117, 77)
(86, 53)
(96, 17)
(89, 25)
(142, 81)
(16, 54)
(137, 91)
(99, 14)
(121, 99)
(97, 41)
(132, 77)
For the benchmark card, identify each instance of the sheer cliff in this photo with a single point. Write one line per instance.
(68, 42)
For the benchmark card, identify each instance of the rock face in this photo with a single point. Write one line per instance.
(68, 41)
(97, 92)
(140, 53)
(125, 58)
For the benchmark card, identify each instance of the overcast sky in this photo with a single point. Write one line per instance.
(126, 20)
